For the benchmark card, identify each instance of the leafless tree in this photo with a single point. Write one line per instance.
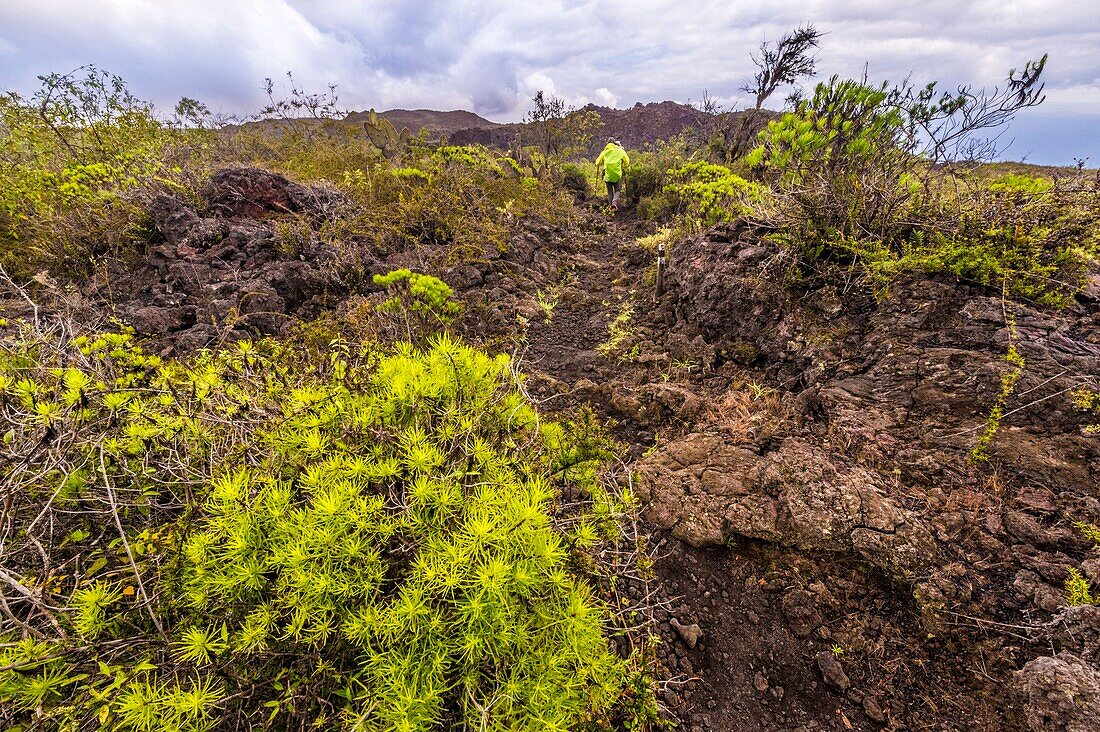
(789, 59)
(945, 124)
(784, 62)
(559, 129)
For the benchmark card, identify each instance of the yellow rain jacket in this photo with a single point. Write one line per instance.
(614, 160)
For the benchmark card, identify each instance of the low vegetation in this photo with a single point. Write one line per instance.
(374, 541)
(81, 160)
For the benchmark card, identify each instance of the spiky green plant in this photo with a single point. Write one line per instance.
(1077, 588)
(371, 541)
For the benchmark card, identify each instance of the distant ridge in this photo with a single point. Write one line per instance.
(637, 126)
(434, 121)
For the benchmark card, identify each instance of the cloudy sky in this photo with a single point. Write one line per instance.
(490, 56)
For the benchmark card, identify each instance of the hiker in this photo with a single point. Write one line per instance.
(613, 160)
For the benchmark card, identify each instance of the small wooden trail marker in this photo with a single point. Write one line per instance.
(660, 269)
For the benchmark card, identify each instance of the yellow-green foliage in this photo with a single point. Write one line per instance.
(1031, 238)
(1087, 400)
(1020, 233)
(710, 193)
(848, 186)
(421, 304)
(80, 160)
(1019, 185)
(422, 293)
(406, 193)
(77, 159)
(371, 541)
(1089, 531)
(573, 178)
(846, 125)
(836, 165)
(1077, 589)
(647, 175)
(618, 330)
(461, 200)
(663, 235)
(1008, 386)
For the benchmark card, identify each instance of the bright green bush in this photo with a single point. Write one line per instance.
(78, 161)
(645, 183)
(1088, 531)
(572, 178)
(648, 173)
(1077, 588)
(1028, 237)
(1087, 399)
(423, 293)
(848, 186)
(371, 541)
(709, 193)
(424, 303)
(843, 127)
(839, 167)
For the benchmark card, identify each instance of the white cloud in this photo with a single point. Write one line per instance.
(605, 98)
(491, 55)
(539, 81)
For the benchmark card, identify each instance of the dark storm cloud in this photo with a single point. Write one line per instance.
(491, 56)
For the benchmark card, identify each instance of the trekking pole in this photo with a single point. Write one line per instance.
(660, 269)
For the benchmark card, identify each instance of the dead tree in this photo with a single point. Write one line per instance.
(785, 62)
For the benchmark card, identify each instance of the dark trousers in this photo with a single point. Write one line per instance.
(613, 191)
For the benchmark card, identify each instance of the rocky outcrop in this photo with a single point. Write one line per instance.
(889, 397)
(1063, 694)
(904, 386)
(226, 271)
(252, 193)
(707, 492)
(247, 261)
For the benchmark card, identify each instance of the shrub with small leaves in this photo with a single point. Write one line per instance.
(79, 159)
(1077, 589)
(368, 541)
(709, 193)
(424, 302)
(1087, 399)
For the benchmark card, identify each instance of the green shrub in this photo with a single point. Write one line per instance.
(647, 175)
(838, 163)
(848, 186)
(1009, 380)
(458, 201)
(1077, 589)
(707, 193)
(573, 179)
(1089, 531)
(1030, 237)
(644, 191)
(423, 302)
(366, 541)
(1087, 399)
(79, 159)
(843, 128)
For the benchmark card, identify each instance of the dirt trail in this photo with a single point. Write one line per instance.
(563, 344)
(747, 670)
